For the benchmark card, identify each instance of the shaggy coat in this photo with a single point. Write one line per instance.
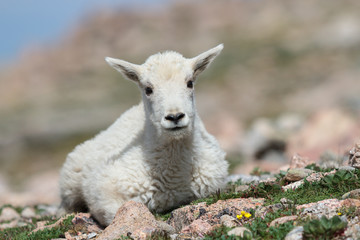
(158, 152)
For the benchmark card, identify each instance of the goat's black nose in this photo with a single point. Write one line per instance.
(175, 117)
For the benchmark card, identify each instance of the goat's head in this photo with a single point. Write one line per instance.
(166, 81)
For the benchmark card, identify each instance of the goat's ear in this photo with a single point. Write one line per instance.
(128, 70)
(202, 61)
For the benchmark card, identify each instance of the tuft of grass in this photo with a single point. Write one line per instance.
(162, 217)
(324, 228)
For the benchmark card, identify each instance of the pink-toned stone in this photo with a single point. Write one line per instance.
(350, 202)
(283, 220)
(298, 161)
(198, 228)
(183, 217)
(9, 225)
(228, 221)
(238, 231)
(328, 208)
(8, 214)
(354, 158)
(317, 176)
(28, 212)
(135, 220)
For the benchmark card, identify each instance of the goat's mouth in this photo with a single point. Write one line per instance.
(176, 128)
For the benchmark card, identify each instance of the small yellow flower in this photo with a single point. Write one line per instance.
(239, 216)
(247, 215)
(339, 213)
(243, 212)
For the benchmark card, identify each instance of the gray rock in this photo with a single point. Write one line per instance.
(91, 235)
(297, 174)
(241, 188)
(353, 229)
(48, 210)
(347, 168)
(245, 179)
(295, 234)
(239, 231)
(352, 194)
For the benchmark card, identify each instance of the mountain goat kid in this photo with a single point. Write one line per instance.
(157, 152)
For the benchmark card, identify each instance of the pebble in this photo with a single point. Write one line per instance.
(28, 212)
(282, 220)
(228, 221)
(297, 174)
(352, 194)
(347, 168)
(238, 231)
(8, 214)
(295, 234)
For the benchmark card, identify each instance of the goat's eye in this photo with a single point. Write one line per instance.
(148, 91)
(190, 84)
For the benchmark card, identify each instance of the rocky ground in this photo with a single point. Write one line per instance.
(307, 201)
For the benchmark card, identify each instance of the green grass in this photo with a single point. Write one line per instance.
(332, 186)
(24, 233)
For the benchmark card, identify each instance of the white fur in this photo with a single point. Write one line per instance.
(143, 156)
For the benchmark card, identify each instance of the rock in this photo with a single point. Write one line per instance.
(330, 160)
(354, 156)
(353, 228)
(47, 210)
(350, 203)
(197, 228)
(347, 168)
(295, 234)
(243, 178)
(239, 231)
(296, 174)
(241, 188)
(298, 161)
(183, 217)
(134, 219)
(84, 223)
(228, 221)
(282, 220)
(352, 194)
(28, 212)
(11, 224)
(8, 214)
(326, 207)
(317, 176)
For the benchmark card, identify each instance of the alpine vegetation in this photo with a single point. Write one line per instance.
(158, 152)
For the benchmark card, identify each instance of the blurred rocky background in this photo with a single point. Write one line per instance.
(286, 83)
